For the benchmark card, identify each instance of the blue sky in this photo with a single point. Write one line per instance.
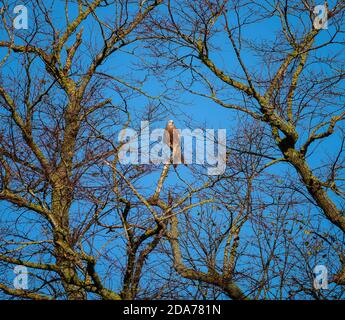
(190, 110)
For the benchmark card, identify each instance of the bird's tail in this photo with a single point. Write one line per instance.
(182, 161)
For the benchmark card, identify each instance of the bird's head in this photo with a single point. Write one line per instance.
(171, 122)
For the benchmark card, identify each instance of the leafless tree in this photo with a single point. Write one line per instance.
(87, 226)
(59, 112)
(270, 61)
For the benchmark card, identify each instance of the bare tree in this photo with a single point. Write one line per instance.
(56, 110)
(87, 226)
(290, 78)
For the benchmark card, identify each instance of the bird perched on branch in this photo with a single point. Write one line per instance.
(173, 140)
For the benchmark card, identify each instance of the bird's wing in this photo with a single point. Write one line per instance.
(177, 156)
(176, 138)
(176, 146)
(166, 137)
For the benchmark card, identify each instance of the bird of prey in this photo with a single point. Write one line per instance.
(173, 140)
